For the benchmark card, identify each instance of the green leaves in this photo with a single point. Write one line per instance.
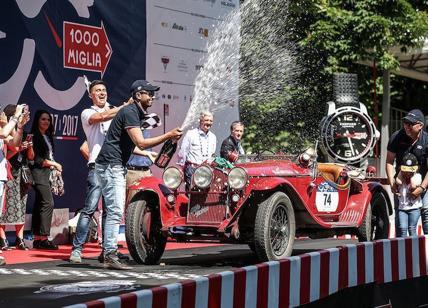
(330, 36)
(350, 31)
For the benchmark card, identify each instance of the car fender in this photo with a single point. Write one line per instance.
(268, 183)
(359, 202)
(154, 187)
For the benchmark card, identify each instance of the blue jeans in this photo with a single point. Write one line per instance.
(112, 181)
(93, 194)
(424, 213)
(408, 220)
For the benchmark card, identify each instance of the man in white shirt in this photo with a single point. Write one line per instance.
(199, 144)
(96, 122)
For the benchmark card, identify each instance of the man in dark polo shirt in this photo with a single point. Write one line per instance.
(110, 166)
(412, 138)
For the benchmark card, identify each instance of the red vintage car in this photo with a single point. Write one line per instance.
(265, 204)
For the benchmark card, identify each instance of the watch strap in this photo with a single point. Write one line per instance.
(345, 90)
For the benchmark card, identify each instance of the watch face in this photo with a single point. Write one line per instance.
(348, 136)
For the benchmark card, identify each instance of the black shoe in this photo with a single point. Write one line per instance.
(20, 244)
(120, 255)
(36, 244)
(47, 245)
(112, 261)
(4, 244)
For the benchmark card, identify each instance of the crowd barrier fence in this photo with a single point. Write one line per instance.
(292, 282)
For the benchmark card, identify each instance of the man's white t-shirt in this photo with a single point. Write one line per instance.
(95, 133)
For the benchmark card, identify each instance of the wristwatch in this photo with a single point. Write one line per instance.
(348, 133)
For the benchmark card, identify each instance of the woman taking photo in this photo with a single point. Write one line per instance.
(16, 190)
(44, 163)
(7, 129)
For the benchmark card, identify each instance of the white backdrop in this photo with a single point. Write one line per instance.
(177, 34)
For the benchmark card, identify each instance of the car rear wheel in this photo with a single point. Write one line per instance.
(275, 228)
(145, 241)
(375, 225)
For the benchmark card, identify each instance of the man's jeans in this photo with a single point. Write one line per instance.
(93, 194)
(112, 181)
(408, 220)
(424, 213)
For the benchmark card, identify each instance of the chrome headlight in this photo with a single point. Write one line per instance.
(237, 178)
(172, 177)
(203, 176)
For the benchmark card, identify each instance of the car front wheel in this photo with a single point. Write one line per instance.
(145, 241)
(375, 225)
(275, 228)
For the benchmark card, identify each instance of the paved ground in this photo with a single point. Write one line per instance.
(59, 283)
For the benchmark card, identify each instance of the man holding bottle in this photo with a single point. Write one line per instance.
(110, 166)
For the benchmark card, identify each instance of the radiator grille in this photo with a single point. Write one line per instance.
(209, 207)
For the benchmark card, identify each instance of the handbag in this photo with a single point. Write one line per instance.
(26, 175)
(57, 183)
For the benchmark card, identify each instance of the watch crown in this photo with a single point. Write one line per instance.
(377, 134)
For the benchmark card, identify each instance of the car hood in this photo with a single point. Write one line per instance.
(273, 168)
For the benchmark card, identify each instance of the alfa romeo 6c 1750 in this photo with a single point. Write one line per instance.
(265, 204)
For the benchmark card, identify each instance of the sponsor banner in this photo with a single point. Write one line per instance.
(47, 46)
(176, 51)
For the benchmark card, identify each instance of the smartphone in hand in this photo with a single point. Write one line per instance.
(29, 138)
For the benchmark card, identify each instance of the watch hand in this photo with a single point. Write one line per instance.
(350, 143)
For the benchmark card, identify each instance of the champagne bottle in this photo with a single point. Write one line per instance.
(166, 153)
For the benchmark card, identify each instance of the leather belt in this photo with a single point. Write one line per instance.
(140, 168)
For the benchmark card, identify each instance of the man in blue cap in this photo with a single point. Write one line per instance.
(110, 166)
(413, 139)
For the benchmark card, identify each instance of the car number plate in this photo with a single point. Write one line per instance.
(327, 198)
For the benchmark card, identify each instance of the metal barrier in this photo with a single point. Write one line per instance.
(290, 282)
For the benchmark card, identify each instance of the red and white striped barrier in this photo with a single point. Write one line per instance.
(290, 282)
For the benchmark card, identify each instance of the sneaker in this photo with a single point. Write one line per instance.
(47, 245)
(120, 255)
(75, 257)
(112, 261)
(20, 244)
(4, 244)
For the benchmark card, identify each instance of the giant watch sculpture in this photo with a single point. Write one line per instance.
(348, 133)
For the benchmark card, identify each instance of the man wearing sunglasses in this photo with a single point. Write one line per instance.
(110, 166)
(95, 122)
(413, 139)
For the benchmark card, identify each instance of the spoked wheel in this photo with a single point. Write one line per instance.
(275, 228)
(145, 241)
(375, 225)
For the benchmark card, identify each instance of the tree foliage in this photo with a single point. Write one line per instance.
(331, 36)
